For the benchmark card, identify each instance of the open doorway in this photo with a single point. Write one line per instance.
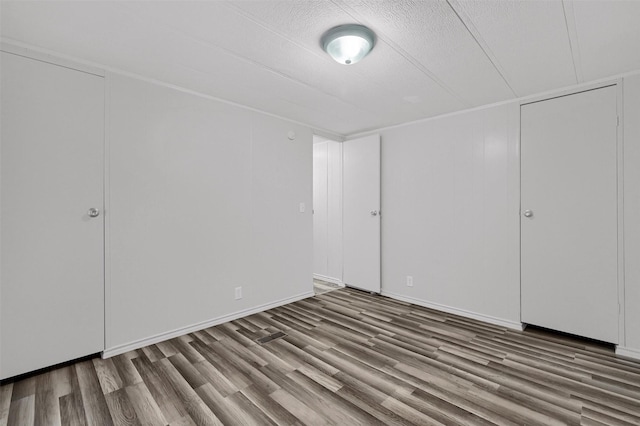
(327, 215)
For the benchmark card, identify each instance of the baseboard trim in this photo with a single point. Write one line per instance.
(456, 311)
(120, 349)
(329, 279)
(628, 352)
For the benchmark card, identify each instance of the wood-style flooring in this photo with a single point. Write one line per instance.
(321, 287)
(348, 358)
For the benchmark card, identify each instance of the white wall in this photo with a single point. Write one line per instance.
(632, 212)
(450, 202)
(202, 197)
(450, 213)
(327, 205)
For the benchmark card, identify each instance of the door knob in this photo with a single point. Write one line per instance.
(93, 212)
(374, 212)
(528, 213)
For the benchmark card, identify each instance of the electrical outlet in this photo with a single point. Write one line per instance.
(238, 293)
(409, 281)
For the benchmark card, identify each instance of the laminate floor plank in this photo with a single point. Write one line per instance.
(362, 399)
(187, 370)
(22, 411)
(61, 380)
(195, 407)
(306, 414)
(454, 393)
(184, 346)
(168, 349)
(224, 366)
(603, 408)
(411, 414)
(71, 410)
(184, 421)
(346, 357)
(243, 352)
(276, 412)
(153, 353)
(121, 409)
(440, 410)
(93, 400)
(5, 403)
(108, 375)
(216, 378)
(201, 335)
(47, 406)
(26, 387)
(161, 390)
(145, 406)
(126, 370)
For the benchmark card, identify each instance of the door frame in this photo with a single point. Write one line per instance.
(618, 82)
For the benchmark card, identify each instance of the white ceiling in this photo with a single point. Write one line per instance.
(432, 56)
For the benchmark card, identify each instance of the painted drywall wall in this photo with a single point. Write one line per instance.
(202, 197)
(631, 118)
(327, 206)
(450, 213)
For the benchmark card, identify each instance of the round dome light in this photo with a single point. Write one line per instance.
(348, 44)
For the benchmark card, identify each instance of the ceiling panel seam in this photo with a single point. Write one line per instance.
(263, 25)
(468, 24)
(8, 44)
(406, 55)
(394, 46)
(572, 33)
(251, 61)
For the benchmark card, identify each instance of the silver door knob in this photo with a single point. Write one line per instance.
(374, 212)
(528, 213)
(93, 212)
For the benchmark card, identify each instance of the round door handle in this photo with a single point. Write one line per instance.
(374, 212)
(93, 212)
(528, 213)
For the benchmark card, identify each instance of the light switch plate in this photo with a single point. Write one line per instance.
(303, 208)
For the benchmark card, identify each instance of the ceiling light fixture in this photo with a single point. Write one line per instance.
(348, 44)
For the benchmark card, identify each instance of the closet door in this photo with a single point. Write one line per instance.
(569, 216)
(361, 213)
(51, 223)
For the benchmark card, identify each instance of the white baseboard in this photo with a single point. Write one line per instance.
(329, 279)
(628, 352)
(513, 325)
(120, 349)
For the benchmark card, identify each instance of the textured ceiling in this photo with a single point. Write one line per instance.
(432, 57)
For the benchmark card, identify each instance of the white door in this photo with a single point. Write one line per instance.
(51, 174)
(320, 211)
(569, 214)
(361, 213)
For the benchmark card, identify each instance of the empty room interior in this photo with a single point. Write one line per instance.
(340, 212)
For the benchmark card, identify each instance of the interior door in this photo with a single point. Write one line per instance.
(569, 214)
(361, 213)
(51, 175)
(320, 211)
